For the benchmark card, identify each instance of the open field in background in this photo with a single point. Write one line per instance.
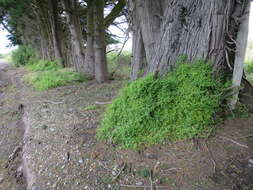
(249, 53)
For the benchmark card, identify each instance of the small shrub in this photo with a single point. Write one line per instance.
(43, 80)
(177, 106)
(43, 65)
(22, 55)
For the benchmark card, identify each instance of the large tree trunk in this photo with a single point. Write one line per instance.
(55, 28)
(196, 28)
(138, 58)
(89, 53)
(76, 35)
(101, 72)
(241, 46)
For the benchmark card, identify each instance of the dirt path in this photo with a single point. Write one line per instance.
(60, 151)
(11, 132)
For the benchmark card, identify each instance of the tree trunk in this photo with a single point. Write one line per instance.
(101, 72)
(54, 21)
(241, 46)
(89, 53)
(196, 28)
(138, 46)
(76, 35)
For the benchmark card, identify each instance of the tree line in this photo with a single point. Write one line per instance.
(72, 32)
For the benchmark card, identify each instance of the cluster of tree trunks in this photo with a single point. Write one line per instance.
(214, 30)
(72, 32)
(165, 29)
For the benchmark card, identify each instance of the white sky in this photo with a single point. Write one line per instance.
(4, 41)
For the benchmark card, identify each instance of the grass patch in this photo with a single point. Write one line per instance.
(54, 78)
(177, 106)
(119, 65)
(91, 107)
(22, 55)
(43, 80)
(43, 65)
(248, 66)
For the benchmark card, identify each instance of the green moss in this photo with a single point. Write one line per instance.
(177, 106)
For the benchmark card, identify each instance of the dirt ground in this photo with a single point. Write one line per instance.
(60, 151)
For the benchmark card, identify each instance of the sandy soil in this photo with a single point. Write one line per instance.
(61, 152)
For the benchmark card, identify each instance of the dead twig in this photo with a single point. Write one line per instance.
(233, 141)
(102, 103)
(144, 186)
(151, 180)
(212, 159)
(121, 170)
(243, 137)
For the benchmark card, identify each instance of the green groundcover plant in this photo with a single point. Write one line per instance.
(177, 106)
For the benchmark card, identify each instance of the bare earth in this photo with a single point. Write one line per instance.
(59, 149)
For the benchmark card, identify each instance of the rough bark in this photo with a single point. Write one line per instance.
(74, 25)
(101, 72)
(42, 17)
(196, 28)
(89, 53)
(138, 50)
(241, 46)
(54, 21)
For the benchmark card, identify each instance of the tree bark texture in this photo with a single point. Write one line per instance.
(89, 53)
(54, 22)
(101, 71)
(195, 28)
(241, 46)
(76, 35)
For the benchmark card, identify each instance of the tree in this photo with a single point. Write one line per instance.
(96, 36)
(73, 21)
(55, 30)
(163, 30)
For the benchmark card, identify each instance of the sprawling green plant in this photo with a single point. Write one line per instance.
(23, 55)
(179, 105)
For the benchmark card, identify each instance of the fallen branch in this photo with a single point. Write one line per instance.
(102, 103)
(233, 141)
(243, 137)
(121, 170)
(144, 186)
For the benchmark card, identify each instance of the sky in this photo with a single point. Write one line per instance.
(4, 41)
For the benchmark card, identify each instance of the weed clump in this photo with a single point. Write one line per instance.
(177, 106)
